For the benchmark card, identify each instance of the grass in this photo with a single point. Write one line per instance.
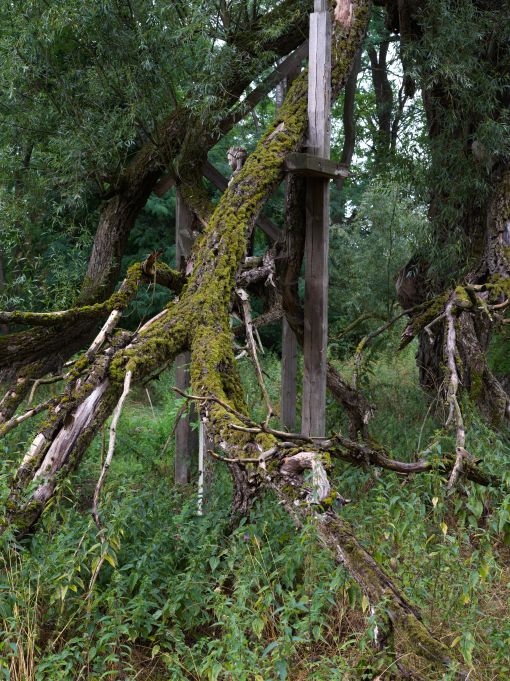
(180, 598)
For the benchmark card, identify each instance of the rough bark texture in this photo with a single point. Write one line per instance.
(199, 319)
(479, 217)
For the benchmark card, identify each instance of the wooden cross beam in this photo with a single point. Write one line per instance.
(309, 165)
(313, 419)
(219, 180)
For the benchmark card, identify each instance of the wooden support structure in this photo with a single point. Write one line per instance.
(315, 338)
(219, 180)
(289, 377)
(289, 366)
(315, 166)
(185, 437)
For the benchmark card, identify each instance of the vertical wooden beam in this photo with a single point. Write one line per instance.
(185, 438)
(289, 377)
(317, 226)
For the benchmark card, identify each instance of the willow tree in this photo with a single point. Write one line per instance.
(458, 55)
(101, 363)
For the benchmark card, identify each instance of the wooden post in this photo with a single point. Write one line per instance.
(317, 226)
(185, 438)
(289, 376)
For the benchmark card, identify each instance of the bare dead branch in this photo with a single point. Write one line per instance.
(111, 449)
(455, 412)
(252, 347)
(106, 330)
(42, 381)
(16, 420)
(222, 403)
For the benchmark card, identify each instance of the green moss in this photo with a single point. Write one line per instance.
(121, 299)
(462, 298)
(434, 309)
(476, 387)
(499, 288)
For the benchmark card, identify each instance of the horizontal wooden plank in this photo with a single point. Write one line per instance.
(314, 166)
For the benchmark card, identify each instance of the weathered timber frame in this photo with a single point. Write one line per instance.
(185, 437)
(199, 320)
(315, 333)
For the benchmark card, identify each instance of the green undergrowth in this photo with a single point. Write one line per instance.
(184, 597)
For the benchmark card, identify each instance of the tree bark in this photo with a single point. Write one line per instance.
(468, 213)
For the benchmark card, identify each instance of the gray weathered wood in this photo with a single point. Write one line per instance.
(317, 227)
(314, 166)
(289, 377)
(319, 84)
(288, 390)
(183, 230)
(185, 438)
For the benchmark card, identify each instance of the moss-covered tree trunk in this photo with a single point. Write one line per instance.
(180, 148)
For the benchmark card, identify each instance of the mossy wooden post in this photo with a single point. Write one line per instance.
(317, 225)
(185, 438)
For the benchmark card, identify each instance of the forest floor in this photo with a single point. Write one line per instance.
(179, 597)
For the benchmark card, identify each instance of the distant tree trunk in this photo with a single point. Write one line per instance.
(383, 99)
(474, 221)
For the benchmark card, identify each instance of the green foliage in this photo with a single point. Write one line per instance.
(366, 253)
(182, 596)
(83, 86)
(462, 61)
